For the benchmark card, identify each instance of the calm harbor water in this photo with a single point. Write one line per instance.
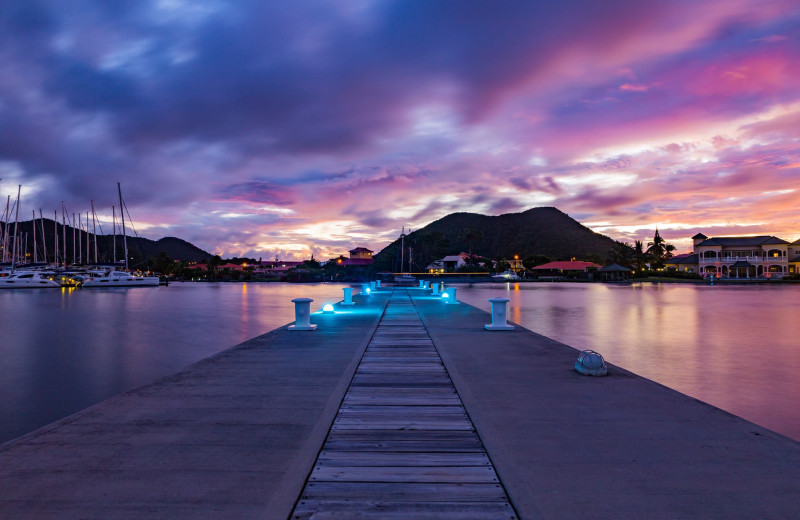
(733, 346)
(64, 350)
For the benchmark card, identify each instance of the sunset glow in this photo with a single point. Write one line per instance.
(290, 129)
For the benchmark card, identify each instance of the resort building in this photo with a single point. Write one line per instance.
(359, 256)
(361, 252)
(740, 257)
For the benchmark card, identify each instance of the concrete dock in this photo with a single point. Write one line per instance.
(400, 407)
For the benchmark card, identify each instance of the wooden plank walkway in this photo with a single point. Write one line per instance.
(402, 445)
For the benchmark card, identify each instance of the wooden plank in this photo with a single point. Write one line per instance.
(373, 458)
(403, 474)
(401, 401)
(422, 423)
(370, 510)
(348, 410)
(388, 391)
(441, 441)
(404, 492)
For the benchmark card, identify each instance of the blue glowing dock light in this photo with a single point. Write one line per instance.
(327, 309)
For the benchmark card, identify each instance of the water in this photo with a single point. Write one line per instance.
(64, 350)
(736, 347)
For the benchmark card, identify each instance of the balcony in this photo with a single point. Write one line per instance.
(751, 259)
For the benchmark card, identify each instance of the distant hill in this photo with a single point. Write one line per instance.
(538, 231)
(138, 248)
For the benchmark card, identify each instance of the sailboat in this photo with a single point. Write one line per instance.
(23, 279)
(114, 278)
(403, 277)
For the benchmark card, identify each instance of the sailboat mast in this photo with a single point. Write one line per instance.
(122, 217)
(402, 249)
(44, 238)
(64, 233)
(88, 240)
(74, 241)
(114, 231)
(94, 231)
(16, 224)
(33, 225)
(55, 237)
(80, 239)
(5, 229)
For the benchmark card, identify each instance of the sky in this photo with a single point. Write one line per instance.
(291, 128)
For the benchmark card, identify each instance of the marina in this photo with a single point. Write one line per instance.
(227, 436)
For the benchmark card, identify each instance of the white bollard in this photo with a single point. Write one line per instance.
(348, 296)
(302, 315)
(435, 287)
(451, 291)
(499, 315)
(378, 284)
(422, 284)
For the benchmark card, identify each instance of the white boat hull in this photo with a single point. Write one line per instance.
(26, 281)
(119, 279)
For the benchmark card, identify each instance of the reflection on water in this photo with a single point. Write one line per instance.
(61, 351)
(732, 346)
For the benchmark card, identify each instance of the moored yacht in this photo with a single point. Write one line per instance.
(505, 276)
(26, 280)
(112, 278)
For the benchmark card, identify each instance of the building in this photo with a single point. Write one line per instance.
(763, 256)
(359, 256)
(453, 262)
(361, 252)
(515, 264)
(573, 268)
(613, 273)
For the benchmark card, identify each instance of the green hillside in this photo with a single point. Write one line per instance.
(538, 231)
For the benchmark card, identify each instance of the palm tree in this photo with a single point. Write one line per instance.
(621, 253)
(470, 235)
(640, 257)
(659, 250)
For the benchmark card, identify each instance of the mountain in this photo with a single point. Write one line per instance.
(537, 231)
(138, 248)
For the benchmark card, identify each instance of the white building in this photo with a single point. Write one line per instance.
(745, 257)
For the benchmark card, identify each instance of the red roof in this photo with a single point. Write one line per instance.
(575, 265)
(356, 261)
(230, 266)
(360, 250)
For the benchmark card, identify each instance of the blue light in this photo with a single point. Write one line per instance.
(445, 295)
(327, 308)
(369, 290)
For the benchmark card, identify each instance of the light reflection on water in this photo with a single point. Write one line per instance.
(63, 350)
(735, 347)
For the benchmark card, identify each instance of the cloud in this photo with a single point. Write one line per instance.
(378, 115)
